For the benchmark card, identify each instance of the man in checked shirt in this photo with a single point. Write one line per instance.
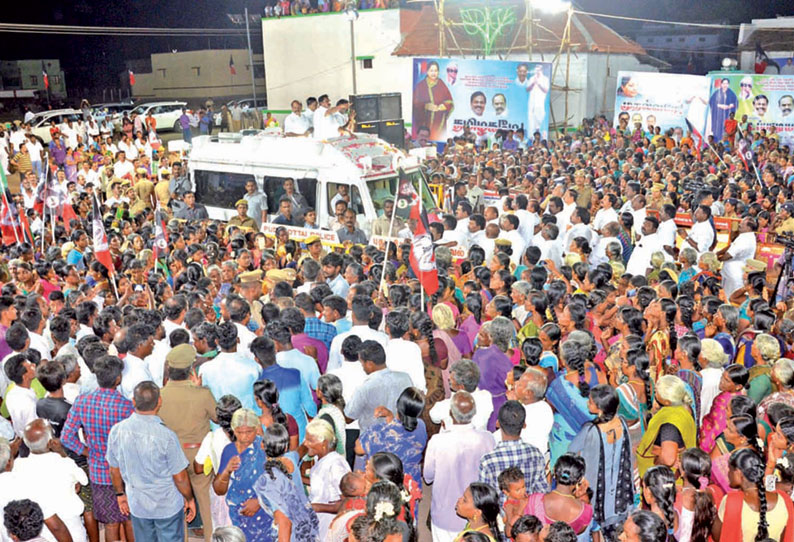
(96, 413)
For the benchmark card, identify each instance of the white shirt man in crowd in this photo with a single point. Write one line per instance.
(640, 260)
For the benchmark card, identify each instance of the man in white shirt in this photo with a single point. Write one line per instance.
(736, 255)
(451, 236)
(20, 399)
(668, 231)
(580, 227)
(362, 308)
(606, 213)
(175, 309)
(530, 391)
(138, 344)
(296, 124)
(610, 232)
(465, 375)
(123, 166)
(640, 260)
(510, 232)
(569, 206)
(401, 355)
(527, 220)
(701, 235)
(311, 107)
(326, 124)
(60, 475)
(639, 212)
(550, 247)
(69, 132)
(28, 115)
(632, 189)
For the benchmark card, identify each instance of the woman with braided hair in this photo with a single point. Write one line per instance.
(266, 397)
(565, 502)
(636, 395)
(658, 492)
(292, 514)
(660, 316)
(752, 514)
(480, 506)
(741, 431)
(472, 316)
(569, 394)
(695, 502)
(436, 362)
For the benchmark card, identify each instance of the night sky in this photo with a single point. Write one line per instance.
(97, 60)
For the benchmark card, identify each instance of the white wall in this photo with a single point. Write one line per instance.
(310, 55)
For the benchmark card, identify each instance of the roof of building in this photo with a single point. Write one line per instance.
(419, 28)
(772, 34)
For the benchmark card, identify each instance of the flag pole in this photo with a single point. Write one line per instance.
(388, 238)
(712, 149)
(421, 284)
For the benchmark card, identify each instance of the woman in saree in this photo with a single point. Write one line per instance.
(660, 316)
(635, 396)
(240, 467)
(432, 104)
(739, 405)
(732, 383)
(671, 429)
(444, 319)
(740, 432)
(629, 322)
(568, 394)
(494, 363)
(472, 316)
(606, 447)
(783, 380)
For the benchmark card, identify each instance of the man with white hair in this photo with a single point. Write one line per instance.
(452, 462)
(465, 375)
(530, 391)
(54, 475)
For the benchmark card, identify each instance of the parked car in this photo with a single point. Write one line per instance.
(40, 124)
(109, 110)
(165, 113)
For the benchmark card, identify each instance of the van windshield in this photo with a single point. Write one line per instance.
(383, 189)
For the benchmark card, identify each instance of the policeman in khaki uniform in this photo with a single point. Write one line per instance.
(187, 410)
(242, 220)
(314, 250)
(784, 222)
(250, 287)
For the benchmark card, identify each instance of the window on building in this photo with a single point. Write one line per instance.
(366, 64)
(162, 72)
(259, 71)
(650, 40)
(196, 70)
(56, 79)
(701, 39)
(680, 40)
(34, 80)
(669, 40)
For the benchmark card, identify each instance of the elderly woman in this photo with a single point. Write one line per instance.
(782, 375)
(444, 319)
(326, 473)
(240, 467)
(671, 428)
(494, 363)
(713, 360)
(733, 382)
(765, 351)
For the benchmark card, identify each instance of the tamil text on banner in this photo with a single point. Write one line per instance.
(299, 234)
(767, 100)
(665, 100)
(486, 95)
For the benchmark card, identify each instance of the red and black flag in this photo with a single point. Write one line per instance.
(423, 258)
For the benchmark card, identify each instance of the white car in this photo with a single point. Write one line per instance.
(165, 113)
(41, 122)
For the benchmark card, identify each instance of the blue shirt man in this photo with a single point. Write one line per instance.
(232, 373)
(147, 467)
(294, 395)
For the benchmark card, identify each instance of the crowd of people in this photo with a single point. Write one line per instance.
(285, 8)
(588, 371)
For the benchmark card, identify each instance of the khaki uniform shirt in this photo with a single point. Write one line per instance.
(786, 226)
(246, 222)
(187, 410)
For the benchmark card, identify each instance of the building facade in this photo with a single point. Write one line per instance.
(196, 76)
(28, 75)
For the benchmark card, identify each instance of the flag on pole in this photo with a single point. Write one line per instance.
(132, 78)
(12, 222)
(422, 258)
(101, 248)
(762, 60)
(698, 138)
(45, 77)
(160, 235)
(55, 199)
(232, 69)
(745, 151)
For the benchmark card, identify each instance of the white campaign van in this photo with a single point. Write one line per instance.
(219, 167)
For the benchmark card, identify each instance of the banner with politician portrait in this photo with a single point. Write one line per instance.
(485, 95)
(665, 100)
(766, 100)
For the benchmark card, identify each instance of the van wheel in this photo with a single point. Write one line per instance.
(177, 127)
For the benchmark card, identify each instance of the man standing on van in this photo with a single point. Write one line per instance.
(257, 203)
(326, 122)
(296, 124)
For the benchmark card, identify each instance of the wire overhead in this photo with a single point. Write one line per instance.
(117, 30)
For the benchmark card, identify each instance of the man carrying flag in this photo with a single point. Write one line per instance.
(15, 226)
(423, 258)
(698, 138)
(101, 248)
(160, 247)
